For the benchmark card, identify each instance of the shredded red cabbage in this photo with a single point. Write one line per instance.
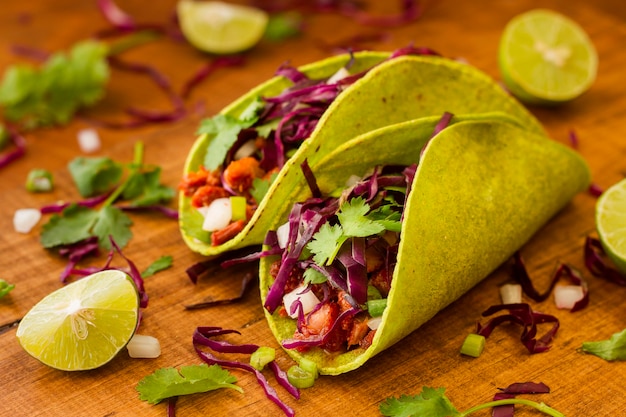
(523, 315)
(520, 274)
(595, 190)
(246, 284)
(208, 69)
(18, 150)
(512, 391)
(598, 265)
(116, 16)
(203, 337)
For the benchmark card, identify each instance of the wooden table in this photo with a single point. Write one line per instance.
(582, 385)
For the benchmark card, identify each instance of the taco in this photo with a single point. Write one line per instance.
(350, 270)
(249, 155)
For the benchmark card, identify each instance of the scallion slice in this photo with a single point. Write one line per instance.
(473, 345)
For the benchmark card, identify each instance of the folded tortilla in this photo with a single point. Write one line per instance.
(482, 188)
(394, 91)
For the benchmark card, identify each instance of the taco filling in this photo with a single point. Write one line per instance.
(337, 261)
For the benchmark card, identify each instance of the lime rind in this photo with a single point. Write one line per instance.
(546, 58)
(611, 223)
(84, 324)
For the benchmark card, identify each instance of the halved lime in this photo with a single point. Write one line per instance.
(546, 58)
(82, 325)
(611, 223)
(221, 28)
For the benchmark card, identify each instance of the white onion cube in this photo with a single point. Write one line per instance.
(282, 234)
(88, 140)
(374, 322)
(565, 296)
(142, 346)
(511, 293)
(307, 298)
(217, 215)
(25, 219)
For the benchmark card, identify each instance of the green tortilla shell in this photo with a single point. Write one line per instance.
(481, 190)
(397, 90)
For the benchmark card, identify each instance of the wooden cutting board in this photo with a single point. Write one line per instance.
(581, 385)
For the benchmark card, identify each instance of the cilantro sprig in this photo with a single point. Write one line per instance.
(5, 288)
(612, 349)
(355, 220)
(170, 382)
(140, 188)
(52, 93)
(432, 402)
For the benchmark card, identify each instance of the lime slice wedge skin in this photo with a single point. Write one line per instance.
(221, 28)
(82, 325)
(611, 223)
(546, 58)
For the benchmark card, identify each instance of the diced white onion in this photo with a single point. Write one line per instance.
(25, 219)
(88, 140)
(282, 234)
(511, 293)
(374, 322)
(142, 346)
(307, 298)
(217, 215)
(339, 75)
(565, 296)
(247, 149)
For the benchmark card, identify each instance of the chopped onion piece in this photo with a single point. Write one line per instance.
(374, 322)
(142, 346)
(566, 296)
(511, 293)
(247, 149)
(89, 140)
(217, 215)
(25, 219)
(307, 299)
(282, 234)
(339, 75)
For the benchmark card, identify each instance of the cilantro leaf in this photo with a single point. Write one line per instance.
(5, 288)
(52, 94)
(261, 186)
(326, 243)
(160, 264)
(225, 129)
(430, 403)
(387, 217)
(76, 223)
(145, 188)
(611, 350)
(313, 276)
(169, 382)
(94, 175)
(353, 218)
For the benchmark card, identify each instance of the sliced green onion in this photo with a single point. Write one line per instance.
(300, 378)
(373, 293)
(238, 207)
(376, 307)
(309, 366)
(39, 180)
(473, 345)
(261, 357)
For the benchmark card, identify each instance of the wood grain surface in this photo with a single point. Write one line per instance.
(581, 385)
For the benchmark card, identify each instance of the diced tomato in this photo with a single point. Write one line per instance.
(240, 174)
(205, 195)
(224, 235)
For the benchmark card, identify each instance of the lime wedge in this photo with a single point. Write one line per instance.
(221, 28)
(82, 325)
(611, 223)
(546, 58)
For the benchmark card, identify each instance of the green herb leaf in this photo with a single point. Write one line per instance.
(5, 288)
(387, 217)
(169, 382)
(225, 129)
(430, 403)
(261, 186)
(164, 262)
(77, 223)
(354, 221)
(611, 350)
(326, 243)
(52, 94)
(313, 276)
(95, 175)
(283, 26)
(145, 189)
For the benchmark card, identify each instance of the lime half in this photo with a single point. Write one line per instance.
(84, 324)
(546, 58)
(221, 28)
(611, 223)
